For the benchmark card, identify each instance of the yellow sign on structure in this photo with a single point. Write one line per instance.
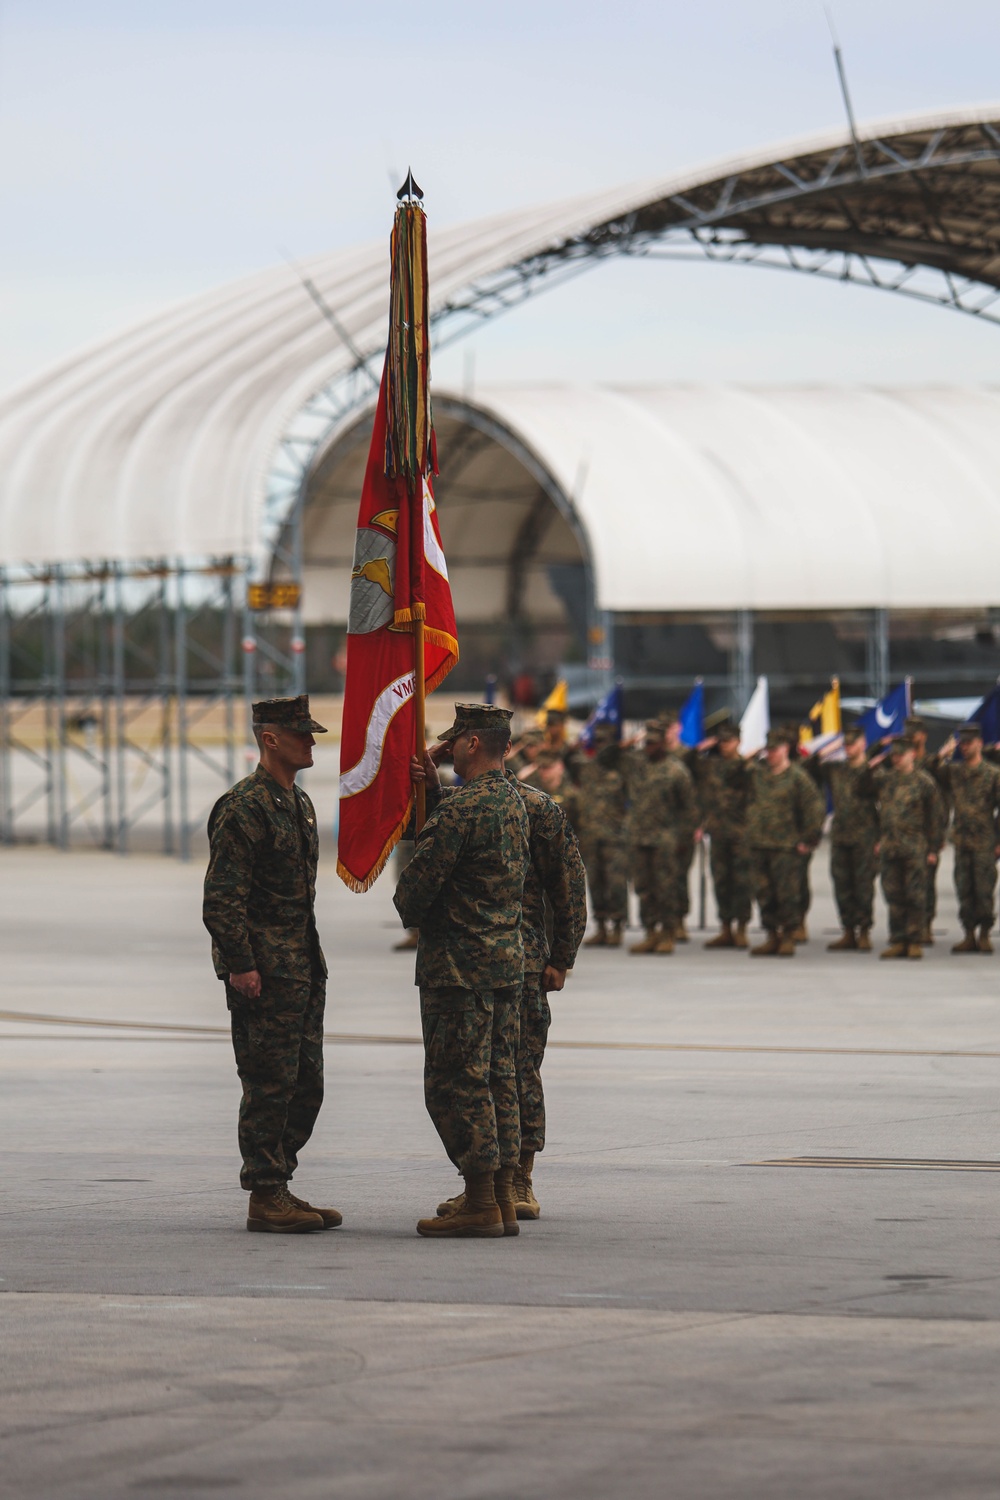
(273, 595)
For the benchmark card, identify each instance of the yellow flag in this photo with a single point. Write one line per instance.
(827, 710)
(558, 699)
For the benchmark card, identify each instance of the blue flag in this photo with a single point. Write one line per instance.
(692, 717)
(888, 715)
(610, 710)
(987, 716)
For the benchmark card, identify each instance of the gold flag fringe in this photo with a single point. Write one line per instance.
(360, 886)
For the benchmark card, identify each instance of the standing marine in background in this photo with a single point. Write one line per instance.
(723, 784)
(973, 788)
(784, 825)
(463, 890)
(259, 906)
(916, 729)
(661, 816)
(912, 822)
(853, 838)
(598, 808)
(685, 837)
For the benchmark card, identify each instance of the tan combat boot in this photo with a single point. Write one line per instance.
(740, 935)
(407, 944)
(680, 933)
(527, 1204)
(985, 946)
(786, 944)
(332, 1217)
(503, 1188)
(864, 940)
(666, 943)
(768, 947)
(724, 939)
(914, 950)
(800, 934)
(478, 1218)
(273, 1210)
(894, 950)
(648, 943)
(598, 938)
(968, 943)
(845, 943)
(615, 936)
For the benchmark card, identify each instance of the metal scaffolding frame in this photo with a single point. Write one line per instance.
(117, 681)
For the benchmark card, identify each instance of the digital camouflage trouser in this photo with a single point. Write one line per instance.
(777, 878)
(606, 863)
(652, 868)
(975, 882)
(470, 1079)
(930, 898)
(852, 869)
(732, 878)
(904, 885)
(535, 1020)
(278, 1042)
(682, 876)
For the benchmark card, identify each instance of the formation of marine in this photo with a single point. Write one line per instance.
(639, 809)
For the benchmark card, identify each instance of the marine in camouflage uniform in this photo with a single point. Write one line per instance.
(662, 815)
(973, 787)
(723, 784)
(597, 809)
(463, 890)
(784, 824)
(260, 892)
(911, 831)
(853, 838)
(684, 854)
(916, 729)
(553, 921)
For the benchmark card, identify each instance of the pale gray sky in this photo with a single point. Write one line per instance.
(153, 148)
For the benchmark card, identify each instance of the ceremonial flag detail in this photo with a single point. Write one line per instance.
(756, 720)
(692, 716)
(557, 702)
(610, 710)
(888, 715)
(987, 716)
(400, 593)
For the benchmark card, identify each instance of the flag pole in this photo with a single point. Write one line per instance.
(420, 718)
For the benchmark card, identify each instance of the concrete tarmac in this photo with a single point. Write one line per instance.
(684, 1320)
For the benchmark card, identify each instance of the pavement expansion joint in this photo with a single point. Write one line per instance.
(880, 1163)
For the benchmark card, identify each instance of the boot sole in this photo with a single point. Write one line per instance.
(493, 1232)
(524, 1212)
(255, 1226)
(509, 1230)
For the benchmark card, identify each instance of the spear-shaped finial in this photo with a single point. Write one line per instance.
(410, 190)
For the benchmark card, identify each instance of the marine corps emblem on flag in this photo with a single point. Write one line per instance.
(400, 595)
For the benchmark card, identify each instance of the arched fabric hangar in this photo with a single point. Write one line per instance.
(146, 482)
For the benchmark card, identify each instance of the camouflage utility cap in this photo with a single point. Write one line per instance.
(727, 732)
(854, 732)
(654, 729)
(776, 737)
(902, 742)
(913, 725)
(287, 713)
(473, 718)
(970, 731)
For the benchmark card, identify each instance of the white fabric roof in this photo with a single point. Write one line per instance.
(158, 441)
(702, 497)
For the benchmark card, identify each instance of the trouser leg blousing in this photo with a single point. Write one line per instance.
(278, 1044)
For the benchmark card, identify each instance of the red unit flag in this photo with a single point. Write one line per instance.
(401, 606)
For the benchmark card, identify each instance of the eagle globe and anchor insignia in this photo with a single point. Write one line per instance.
(373, 577)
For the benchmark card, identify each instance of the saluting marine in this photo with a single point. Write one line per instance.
(661, 815)
(463, 891)
(597, 808)
(260, 893)
(973, 786)
(853, 838)
(553, 920)
(784, 824)
(723, 784)
(911, 831)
